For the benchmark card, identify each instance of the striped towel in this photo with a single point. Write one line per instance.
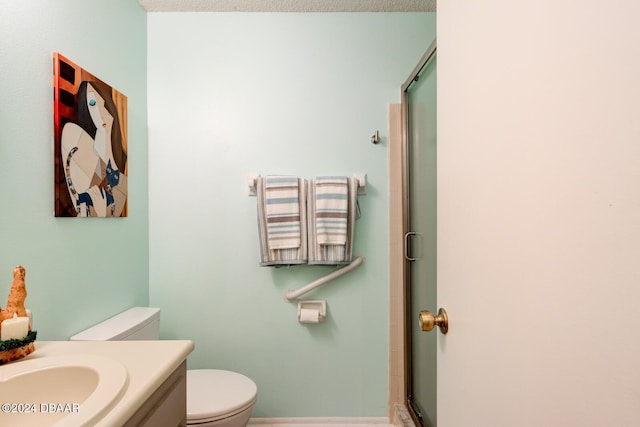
(283, 238)
(340, 232)
(332, 209)
(282, 207)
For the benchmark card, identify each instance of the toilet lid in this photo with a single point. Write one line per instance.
(213, 393)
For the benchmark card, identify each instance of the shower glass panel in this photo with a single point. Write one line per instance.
(420, 109)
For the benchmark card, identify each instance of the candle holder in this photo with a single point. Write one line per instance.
(15, 349)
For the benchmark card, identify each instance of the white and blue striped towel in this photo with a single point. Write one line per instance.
(282, 206)
(282, 220)
(332, 209)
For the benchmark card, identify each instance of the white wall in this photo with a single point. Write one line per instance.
(539, 213)
(79, 271)
(235, 93)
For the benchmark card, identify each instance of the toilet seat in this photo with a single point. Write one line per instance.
(214, 394)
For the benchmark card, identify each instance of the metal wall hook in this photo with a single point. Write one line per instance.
(375, 138)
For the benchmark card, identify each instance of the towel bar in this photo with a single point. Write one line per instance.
(356, 262)
(252, 181)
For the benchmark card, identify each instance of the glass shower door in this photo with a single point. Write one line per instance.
(420, 238)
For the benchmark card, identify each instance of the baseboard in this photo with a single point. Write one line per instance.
(402, 417)
(320, 422)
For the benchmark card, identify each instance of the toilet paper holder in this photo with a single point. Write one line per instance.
(317, 306)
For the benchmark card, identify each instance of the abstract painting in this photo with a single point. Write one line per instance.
(90, 126)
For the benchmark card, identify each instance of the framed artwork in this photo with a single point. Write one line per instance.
(90, 126)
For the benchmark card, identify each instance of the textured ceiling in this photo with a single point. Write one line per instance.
(289, 5)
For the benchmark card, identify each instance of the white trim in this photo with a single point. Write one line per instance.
(320, 422)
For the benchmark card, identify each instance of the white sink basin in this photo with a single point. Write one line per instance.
(66, 390)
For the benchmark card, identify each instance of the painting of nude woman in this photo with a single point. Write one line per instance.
(90, 124)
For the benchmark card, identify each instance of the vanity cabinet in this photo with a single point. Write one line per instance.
(167, 406)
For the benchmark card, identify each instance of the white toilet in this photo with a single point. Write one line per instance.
(215, 398)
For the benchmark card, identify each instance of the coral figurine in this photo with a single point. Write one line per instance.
(17, 295)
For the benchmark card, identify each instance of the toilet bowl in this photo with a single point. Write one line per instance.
(215, 398)
(219, 398)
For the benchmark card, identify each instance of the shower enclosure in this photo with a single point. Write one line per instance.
(420, 197)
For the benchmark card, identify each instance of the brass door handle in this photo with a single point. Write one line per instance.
(428, 321)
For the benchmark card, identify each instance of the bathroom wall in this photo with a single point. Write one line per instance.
(236, 93)
(79, 271)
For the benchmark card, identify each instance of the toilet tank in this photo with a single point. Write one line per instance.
(136, 323)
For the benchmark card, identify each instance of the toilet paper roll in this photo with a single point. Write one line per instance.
(309, 315)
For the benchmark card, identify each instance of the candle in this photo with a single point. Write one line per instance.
(16, 328)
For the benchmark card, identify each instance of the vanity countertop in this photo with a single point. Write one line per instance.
(148, 364)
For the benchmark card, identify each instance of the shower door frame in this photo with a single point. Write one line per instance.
(413, 77)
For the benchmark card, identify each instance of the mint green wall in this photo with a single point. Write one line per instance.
(236, 93)
(229, 94)
(79, 271)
